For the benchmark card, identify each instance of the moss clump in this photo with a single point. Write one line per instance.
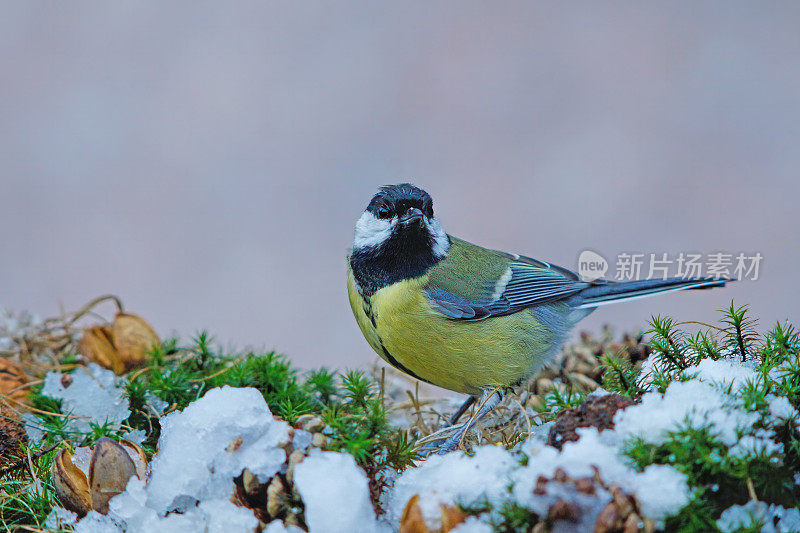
(718, 478)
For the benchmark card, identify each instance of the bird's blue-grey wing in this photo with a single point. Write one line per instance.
(522, 283)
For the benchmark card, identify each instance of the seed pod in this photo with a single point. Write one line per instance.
(633, 524)
(608, 520)
(97, 345)
(544, 385)
(586, 369)
(137, 455)
(412, 520)
(109, 471)
(72, 487)
(250, 483)
(586, 355)
(583, 382)
(622, 501)
(295, 458)
(291, 520)
(276, 494)
(133, 339)
(110, 466)
(451, 518)
(585, 485)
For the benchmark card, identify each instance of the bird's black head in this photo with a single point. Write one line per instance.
(400, 200)
(397, 237)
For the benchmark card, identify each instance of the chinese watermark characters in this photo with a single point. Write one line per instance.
(633, 266)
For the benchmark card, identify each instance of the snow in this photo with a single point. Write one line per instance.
(33, 429)
(154, 404)
(698, 402)
(14, 325)
(472, 525)
(59, 518)
(211, 441)
(488, 474)
(704, 400)
(452, 478)
(204, 447)
(661, 489)
(772, 518)
(302, 439)
(91, 395)
(539, 433)
(724, 372)
(201, 450)
(456, 478)
(335, 493)
(781, 409)
(277, 526)
(94, 522)
(760, 443)
(136, 436)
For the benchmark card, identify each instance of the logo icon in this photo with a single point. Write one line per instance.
(591, 265)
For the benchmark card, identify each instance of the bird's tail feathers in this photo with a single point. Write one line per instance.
(613, 292)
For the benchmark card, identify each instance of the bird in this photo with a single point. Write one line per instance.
(462, 317)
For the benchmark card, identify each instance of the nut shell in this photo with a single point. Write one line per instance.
(109, 471)
(71, 484)
(97, 345)
(412, 520)
(133, 339)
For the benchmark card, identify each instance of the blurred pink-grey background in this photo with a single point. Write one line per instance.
(206, 161)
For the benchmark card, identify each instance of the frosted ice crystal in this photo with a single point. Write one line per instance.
(335, 494)
(771, 518)
(451, 478)
(90, 395)
(204, 447)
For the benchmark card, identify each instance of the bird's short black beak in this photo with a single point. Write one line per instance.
(413, 215)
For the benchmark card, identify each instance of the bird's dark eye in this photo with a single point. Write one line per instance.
(383, 212)
(427, 208)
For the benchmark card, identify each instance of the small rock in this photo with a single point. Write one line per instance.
(319, 440)
(310, 423)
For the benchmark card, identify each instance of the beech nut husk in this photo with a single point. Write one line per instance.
(412, 520)
(97, 346)
(110, 467)
(133, 338)
(120, 346)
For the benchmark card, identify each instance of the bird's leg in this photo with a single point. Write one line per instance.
(461, 410)
(489, 400)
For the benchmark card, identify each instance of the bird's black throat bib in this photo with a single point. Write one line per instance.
(405, 255)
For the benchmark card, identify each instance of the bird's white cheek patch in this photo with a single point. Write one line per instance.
(441, 244)
(371, 231)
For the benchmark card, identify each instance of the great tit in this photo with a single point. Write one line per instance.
(460, 316)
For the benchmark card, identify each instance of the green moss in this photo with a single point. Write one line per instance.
(717, 479)
(26, 491)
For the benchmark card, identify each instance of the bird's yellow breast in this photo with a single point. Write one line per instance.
(404, 328)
